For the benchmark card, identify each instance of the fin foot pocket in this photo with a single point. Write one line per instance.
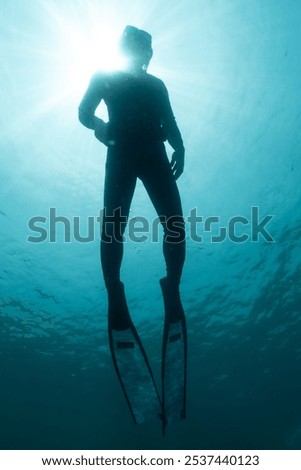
(118, 312)
(172, 301)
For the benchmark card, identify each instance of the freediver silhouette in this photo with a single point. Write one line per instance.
(140, 120)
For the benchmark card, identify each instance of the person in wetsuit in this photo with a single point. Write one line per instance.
(140, 120)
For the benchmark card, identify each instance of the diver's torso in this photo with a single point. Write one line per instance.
(135, 107)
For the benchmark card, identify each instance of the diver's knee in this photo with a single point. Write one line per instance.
(174, 229)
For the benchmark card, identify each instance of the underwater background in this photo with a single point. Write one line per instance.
(232, 68)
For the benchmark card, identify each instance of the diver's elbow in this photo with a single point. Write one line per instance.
(84, 118)
(81, 116)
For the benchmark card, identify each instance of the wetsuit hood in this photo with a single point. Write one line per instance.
(137, 45)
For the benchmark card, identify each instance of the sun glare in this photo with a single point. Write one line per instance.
(83, 46)
(63, 44)
(87, 40)
(97, 50)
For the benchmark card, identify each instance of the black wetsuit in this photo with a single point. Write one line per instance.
(140, 120)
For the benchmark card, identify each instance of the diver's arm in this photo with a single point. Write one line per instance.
(173, 136)
(171, 129)
(88, 105)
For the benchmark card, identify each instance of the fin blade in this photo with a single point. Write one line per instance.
(135, 375)
(174, 372)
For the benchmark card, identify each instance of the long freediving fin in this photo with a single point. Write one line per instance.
(174, 355)
(130, 360)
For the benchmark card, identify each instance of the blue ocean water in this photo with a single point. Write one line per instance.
(233, 71)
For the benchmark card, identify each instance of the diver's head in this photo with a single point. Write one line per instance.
(136, 45)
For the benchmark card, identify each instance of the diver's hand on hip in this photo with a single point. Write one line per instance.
(177, 162)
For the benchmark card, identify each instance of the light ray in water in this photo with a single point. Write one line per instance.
(57, 55)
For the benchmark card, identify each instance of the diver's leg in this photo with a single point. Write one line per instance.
(163, 191)
(120, 181)
(160, 184)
